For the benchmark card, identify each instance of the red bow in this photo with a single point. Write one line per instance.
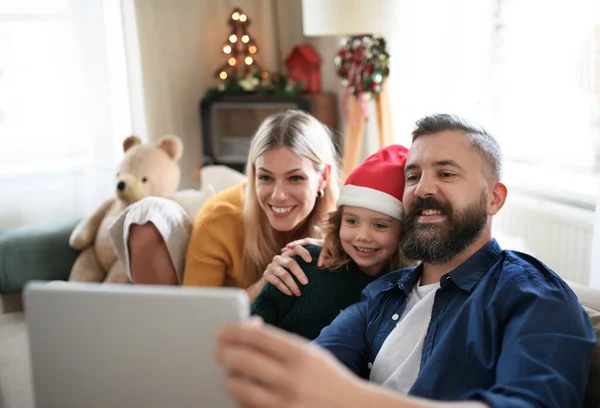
(355, 77)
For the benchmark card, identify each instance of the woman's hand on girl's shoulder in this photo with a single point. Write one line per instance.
(298, 248)
(279, 272)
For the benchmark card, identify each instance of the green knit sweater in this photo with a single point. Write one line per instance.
(325, 295)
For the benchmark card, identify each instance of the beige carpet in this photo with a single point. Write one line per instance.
(15, 384)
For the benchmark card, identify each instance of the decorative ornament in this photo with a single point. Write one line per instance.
(239, 48)
(363, 65)
(291, 86)
(303, 64)
(249, 82)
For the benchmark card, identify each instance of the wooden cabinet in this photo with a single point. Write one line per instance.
(324, 108)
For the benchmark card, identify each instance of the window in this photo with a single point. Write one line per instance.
(526, 69)
(39, 86)
(57, 121)
(544, 93)
(439, 60)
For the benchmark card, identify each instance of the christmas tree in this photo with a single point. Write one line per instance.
(240, 49)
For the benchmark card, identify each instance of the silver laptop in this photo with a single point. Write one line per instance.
(111, 345)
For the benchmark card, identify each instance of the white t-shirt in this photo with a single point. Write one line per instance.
(397, 363)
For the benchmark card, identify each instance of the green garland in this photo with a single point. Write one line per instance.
(255, 84)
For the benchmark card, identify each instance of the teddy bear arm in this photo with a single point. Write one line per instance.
(85, 232)
(87, 268)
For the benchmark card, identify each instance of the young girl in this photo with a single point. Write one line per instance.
(362, 242)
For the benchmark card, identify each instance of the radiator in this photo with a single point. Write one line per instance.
(559, 235)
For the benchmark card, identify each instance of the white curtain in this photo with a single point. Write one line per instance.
(438, 59)
(595, 261)
(59, 65)
(543, 82)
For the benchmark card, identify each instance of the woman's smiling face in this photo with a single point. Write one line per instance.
(287, 187)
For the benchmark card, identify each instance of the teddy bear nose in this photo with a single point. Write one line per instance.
(121, 186)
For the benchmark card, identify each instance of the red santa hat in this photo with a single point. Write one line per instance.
(377, 183)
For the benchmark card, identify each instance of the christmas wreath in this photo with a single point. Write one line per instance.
(363, 65)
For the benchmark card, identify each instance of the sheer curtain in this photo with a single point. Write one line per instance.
(59, 131)
(545, 100)
(526, 69)
(595, 262)
(439, 60)
(544, 97)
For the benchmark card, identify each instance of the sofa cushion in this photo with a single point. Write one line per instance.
(592, 396)
(38, 252)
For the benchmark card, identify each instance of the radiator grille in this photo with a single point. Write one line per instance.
(559, 235)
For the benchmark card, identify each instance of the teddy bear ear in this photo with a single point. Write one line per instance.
(172, 145)
(130, 142)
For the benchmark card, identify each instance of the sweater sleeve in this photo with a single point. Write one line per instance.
(209, 254)
(272, 305)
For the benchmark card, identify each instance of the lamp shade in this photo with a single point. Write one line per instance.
(343, 17)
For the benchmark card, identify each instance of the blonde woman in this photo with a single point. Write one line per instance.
(292, 183)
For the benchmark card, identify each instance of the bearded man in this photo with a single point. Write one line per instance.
(472, 325)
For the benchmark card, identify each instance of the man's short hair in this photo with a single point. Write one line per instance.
(484, 142)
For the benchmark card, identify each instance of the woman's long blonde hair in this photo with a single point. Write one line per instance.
(308, 138)
(336, 257)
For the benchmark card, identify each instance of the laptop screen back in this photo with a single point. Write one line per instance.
(107, 345)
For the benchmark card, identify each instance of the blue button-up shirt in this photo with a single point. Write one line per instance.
(504, 330)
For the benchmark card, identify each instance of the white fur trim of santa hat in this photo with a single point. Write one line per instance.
(376, 200)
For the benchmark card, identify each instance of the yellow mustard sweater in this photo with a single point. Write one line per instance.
(215, 252)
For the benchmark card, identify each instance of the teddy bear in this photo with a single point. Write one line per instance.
(145, 170)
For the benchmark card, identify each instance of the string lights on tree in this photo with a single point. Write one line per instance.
(240, 49)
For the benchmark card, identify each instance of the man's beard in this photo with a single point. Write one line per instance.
(438, 243)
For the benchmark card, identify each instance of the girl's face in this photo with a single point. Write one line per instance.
(369, 237)
(287, 187)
